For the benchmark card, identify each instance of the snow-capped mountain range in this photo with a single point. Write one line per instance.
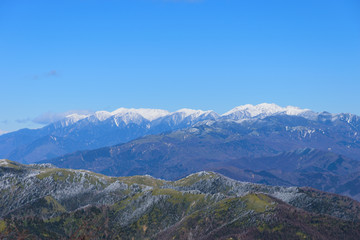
(263, 110)
(137, 116)
(132, 115)
(243, 112)
(84, 132)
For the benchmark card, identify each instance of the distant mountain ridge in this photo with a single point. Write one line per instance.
(85, 132)
(241, 112)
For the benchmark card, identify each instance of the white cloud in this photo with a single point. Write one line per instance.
(50, 117)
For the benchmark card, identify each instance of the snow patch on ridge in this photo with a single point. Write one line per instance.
(195, 113)
(3, 162)
(101, 115)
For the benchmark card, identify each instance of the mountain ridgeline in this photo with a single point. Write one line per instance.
(80, 132)
(40, 201)
(86, 132)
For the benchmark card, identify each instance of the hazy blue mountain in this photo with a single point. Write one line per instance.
(337, 132)
(79, 132)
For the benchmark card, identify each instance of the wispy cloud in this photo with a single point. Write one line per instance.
(23, 120)
(50, 117)
(49, 74)
(2, 132)
(52, 73)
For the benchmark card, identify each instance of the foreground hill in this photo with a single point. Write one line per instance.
(41, 201)
(276, 150)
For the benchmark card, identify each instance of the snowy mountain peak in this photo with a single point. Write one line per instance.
(187, 112)
(263, 110)
(76, 117)
(69, 120)
(101, 115)
(147, 113)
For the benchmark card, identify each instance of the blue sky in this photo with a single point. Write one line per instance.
(84, 55)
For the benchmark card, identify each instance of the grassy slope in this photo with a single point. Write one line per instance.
(176, 214)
